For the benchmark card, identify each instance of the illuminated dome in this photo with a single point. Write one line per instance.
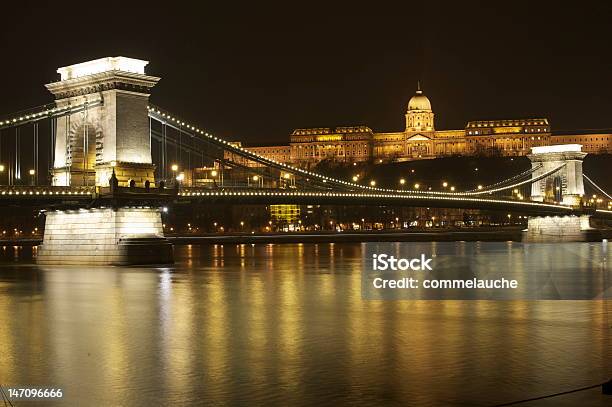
(419, 101)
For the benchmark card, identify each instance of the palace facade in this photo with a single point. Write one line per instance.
(420, 140)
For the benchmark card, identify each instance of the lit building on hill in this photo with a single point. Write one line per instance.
(421, 140)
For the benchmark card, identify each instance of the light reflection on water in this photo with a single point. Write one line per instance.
(282, 324)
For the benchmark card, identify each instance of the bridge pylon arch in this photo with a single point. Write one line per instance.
(567, 183)
(112, 94)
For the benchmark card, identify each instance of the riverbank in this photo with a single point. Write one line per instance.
(442, 235)
(490, 234)
(483, 234)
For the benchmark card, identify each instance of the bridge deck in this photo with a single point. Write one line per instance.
(85, 196)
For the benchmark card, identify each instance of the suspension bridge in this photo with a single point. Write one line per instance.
(102, 160)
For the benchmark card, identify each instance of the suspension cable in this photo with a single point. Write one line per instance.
(45, 112)
(532, 180)
(230, 164)
(596, 186)
(243, 152)
(162, 116)
(51, 163)
(35, 136)
(497, 184)
(17, 153)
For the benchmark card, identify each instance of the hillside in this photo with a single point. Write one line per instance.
(462, 172)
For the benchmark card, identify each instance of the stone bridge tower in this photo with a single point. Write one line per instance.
(112, 127)
(107, 129)
(566, 185)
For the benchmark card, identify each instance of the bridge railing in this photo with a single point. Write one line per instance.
(28, 191)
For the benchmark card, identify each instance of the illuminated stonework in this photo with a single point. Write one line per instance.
(102, 65)
(566, 185)
(106, 131)
(104, 236)
(113, 125)
(125, 173)
(551, 229)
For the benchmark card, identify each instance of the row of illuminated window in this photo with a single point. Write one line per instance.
(526, 130)
(323, 153)
(326, 130)
(389, 138)
(283, 210)
(537, 122)
(320, 130)
(501, 140)
(597, 147)
(352, 146)
(259, 150)
(389, 147)
(358, 129)
(582, 139)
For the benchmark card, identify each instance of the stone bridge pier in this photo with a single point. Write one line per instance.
(107, 132)
(564, 186)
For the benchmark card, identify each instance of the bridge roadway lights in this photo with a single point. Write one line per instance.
(553, 229)
(104, 236)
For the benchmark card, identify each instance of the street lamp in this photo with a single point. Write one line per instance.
(32, 173)
(174, 168)
(445, 184)
(355, 178)
(402, 181)
(213, 173)
(417, 186)
(452, 188)
(373, 183)
(257, 180)
(289, 181)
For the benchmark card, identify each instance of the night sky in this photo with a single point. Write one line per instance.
(253, 73)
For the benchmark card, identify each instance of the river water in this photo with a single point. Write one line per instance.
(283, 324)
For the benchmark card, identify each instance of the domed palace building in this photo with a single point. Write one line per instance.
(421, 140)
